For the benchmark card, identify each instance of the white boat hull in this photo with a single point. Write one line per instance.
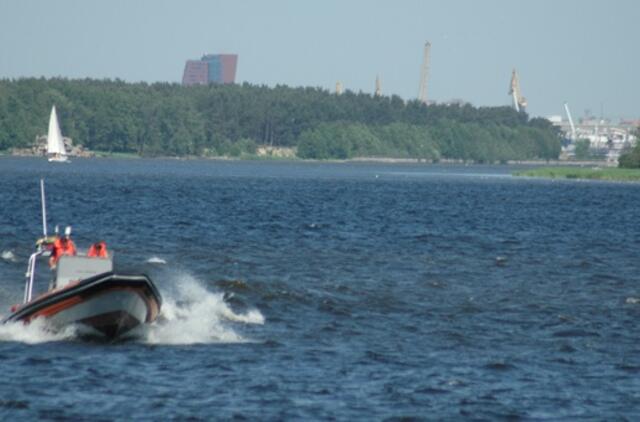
(103, 315)
(107, 306)
(61, 159)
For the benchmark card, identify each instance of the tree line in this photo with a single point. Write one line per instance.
(166, 119)
(631, 159)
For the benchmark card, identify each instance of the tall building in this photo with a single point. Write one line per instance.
(195, 72)
(211, 68)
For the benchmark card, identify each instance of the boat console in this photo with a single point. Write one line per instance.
(75, 268)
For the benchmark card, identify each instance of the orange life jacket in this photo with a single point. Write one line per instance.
(98, 250)
(62, 246)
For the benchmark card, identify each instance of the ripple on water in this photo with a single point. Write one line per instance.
(575, 332)
(431, 390)
(629, 368)
(34, 360)
(500, 366)
(14, 404)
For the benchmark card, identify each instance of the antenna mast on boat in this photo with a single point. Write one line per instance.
(44, 208)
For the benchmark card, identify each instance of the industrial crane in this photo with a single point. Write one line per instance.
(424, 74)
(573, 127)
(519, 102)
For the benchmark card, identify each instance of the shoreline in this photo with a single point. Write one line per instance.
(583, 173)
(381, 160)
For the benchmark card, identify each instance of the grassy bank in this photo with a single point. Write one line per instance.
(592, 173)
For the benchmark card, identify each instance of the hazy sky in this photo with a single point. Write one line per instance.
(580, 51)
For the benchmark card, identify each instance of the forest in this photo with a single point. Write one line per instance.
(168, 119)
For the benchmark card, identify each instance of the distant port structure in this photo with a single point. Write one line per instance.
(604, 139)
(424, 73)
(519, 102)
(211, 68)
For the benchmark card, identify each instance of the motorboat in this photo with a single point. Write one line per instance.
(86, 293)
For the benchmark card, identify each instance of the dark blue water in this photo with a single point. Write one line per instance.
(298, 291)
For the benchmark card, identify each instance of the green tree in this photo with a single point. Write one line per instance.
(631, 159)
(582, 149)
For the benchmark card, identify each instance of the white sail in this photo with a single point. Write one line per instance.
(55, 143)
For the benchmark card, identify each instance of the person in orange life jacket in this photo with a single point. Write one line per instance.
(98, 250)
(62, 246)
(47, 242)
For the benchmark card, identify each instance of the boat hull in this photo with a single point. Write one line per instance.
(59, 159)
(107, 306)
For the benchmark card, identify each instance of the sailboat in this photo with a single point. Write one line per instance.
(55, 143)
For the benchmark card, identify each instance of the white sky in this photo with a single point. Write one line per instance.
(581, 51)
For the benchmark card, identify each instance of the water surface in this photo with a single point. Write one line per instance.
(334, 291)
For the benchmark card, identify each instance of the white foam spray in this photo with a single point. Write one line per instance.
(8, 256)
(191, 314)
(156, 260)
(33, 333)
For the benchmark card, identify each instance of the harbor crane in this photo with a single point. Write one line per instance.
(519, 102)
(424, 74)
(573, 127)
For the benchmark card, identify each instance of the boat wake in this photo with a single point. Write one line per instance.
(156, 260)
(191, 314)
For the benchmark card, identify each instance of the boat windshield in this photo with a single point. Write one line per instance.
(74, 268)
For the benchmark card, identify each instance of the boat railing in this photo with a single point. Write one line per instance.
(31, 273)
